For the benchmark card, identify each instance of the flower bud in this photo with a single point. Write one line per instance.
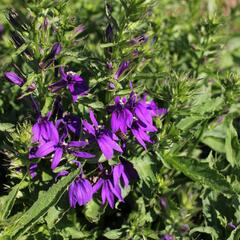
(12, 77)
(49, 59)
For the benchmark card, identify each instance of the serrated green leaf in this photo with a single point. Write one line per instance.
(202, 173)
(40, 207)
(7, 202)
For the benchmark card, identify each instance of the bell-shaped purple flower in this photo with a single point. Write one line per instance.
(56, 49)
(105, 138)
(109, 191)
(80, 191)
(122, 68)
(74, 82)
(122, 117)
(44, 131)
(139, 131)
(124, 171)
(12, 77)
(144, 114)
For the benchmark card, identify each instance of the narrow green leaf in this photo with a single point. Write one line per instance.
(8, 201)
(232, 145)
(209, 230)
(40, 207)
(188, 122)
(202, 173)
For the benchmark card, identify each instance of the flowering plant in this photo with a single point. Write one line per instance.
(118, 120)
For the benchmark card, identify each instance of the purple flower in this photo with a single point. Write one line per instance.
(74, 82)
(109, 191)
(47, 135)
(124, 171)
(139, 130)
(144, 114)
(80, 191)
(14, 78)
(105, 138)
(44, 131)
(122, 68)
(56, 49)
(167, 237)
(122, 117)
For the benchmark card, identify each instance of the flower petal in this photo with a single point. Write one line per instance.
(57, 157)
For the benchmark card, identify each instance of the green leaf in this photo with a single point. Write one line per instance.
(40, 207)
(144, 167)
(8, 201)
(6, 127)
(232, 145)
(215, 138)
(202, 173)
(217, 144)
(93, 211)
(209, 230)
(113, 234)
(188, 122)
(53, 216)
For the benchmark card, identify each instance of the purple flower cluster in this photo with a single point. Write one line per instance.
(75, 84)
(136, 115)
(59, 134)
